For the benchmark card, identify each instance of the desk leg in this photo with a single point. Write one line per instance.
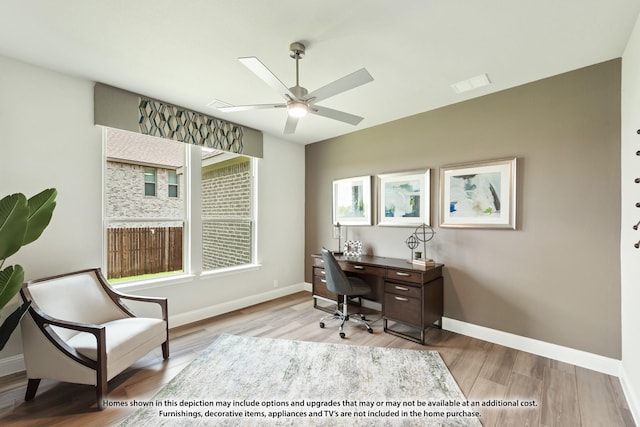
(420, 340)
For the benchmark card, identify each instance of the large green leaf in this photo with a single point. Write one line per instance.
(14, 217)
(40, 211)
(11, 279)
(11, 323)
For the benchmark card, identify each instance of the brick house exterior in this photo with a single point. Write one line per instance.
(226, 194)
(128, 154)
(226, 213)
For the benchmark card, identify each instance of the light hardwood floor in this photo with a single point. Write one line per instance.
(565, 395)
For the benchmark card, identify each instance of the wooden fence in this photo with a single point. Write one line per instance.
(148, 250)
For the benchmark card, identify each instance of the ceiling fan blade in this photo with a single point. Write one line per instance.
(350, 81)
(234, 108)
(290, 126)
(335, 114)
(260, 70)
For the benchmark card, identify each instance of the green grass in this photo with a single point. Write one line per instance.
(143, 277)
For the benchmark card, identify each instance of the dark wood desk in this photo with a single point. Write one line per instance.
(410, 296)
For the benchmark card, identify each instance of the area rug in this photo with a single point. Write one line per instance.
(260, 381)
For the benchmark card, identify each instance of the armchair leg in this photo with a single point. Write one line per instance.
(101, 392)
(101, 388)
(165, 350)
(32, 387)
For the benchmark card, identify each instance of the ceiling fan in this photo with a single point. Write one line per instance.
(298, 100)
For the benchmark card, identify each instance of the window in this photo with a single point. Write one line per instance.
(146, 234)
(172, 183)
(149, 182)
(227, 212)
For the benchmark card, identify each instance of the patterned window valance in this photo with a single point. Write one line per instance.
(120, 109)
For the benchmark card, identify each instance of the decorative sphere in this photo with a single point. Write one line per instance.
(412, 242)
(424, 233)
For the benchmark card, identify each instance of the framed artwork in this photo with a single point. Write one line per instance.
(404, 198)
(479, 195)
(352, 201)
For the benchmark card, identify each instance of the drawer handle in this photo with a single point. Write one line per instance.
(401, 299)
(323, 272)
(402, 288)
(400, 273)
(358, 267)
(323, 280)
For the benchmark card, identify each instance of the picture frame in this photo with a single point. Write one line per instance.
(404, 198)
(352, 248)
(352, 201)
(479, 194)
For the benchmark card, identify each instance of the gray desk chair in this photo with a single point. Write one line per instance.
(340, 284)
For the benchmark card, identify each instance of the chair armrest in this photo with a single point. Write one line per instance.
(154, 300)
(116, 296)
(44, 323)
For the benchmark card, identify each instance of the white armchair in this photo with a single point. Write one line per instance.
(79, 331)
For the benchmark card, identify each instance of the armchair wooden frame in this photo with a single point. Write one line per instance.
(45, 323)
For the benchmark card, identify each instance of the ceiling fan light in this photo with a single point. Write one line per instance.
(298, 109)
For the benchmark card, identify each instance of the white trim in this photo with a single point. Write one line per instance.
(226, 307)
(581, 358)
(307, 286)
(11, 365)
(632, 399)
(157, 282)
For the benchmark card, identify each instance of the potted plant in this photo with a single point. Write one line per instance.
(22, 221)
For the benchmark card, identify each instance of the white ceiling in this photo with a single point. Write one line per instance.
(185, 51)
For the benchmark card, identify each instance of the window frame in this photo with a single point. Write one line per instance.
(173, 185)
(191, 223)
(252, 219)
(147, 172)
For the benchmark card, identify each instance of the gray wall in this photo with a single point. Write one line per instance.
(557, 277)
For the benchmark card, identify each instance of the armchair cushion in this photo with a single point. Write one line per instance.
(127, 340)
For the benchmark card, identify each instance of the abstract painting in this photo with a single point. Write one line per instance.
(404, 198)
(478, 195)
(352, 201)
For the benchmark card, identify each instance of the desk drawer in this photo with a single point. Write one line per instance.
(403, 290)
(362, 268)
(317, 271)
(320, 288)
(405, 276)
(402, 309)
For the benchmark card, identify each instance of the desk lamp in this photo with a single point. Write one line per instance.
(337, 234)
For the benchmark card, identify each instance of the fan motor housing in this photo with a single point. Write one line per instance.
(298, 91)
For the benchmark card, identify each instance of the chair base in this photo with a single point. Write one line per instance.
(338, 315)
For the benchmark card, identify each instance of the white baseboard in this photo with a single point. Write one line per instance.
(630, 395)
(226, 307)
(541, 348)
(11, 365)
(584, 359)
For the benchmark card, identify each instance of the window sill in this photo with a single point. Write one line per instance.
(230, 270)
(183, 278)
(154, 283)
